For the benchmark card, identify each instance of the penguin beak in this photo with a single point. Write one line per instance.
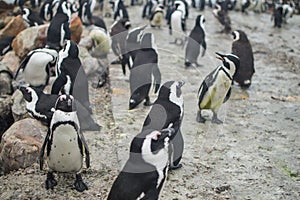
(220, 56)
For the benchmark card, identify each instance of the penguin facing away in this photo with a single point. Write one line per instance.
(145, 172)
(145, 66)
(196, 39)
(156, 18)
(31, 18)
(35, 67)
(216, 87)
(167, 112)
(71, 77)
(241, 47)
(222, 16)
(177, 25)
(65, 144)
(39, 105)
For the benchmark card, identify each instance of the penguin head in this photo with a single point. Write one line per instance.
(64, 8)
(65, 103)
(71, 49)
(200, 20)
(27, 92)
(171, 90)
(230, 61)
(125, 22)
(239, 35)
(135, 99)
(136, 34)
(147, 41)
(160, 139)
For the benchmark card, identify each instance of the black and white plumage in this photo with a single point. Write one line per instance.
(196, 39)
(35, 67)
(120, 11)
(65, 144)
(39, 105)
(59, 30)
(148, 8)
(49, 9)
(177, 26)
(241, 47)
(216, 87)
(222, 16)
(31, 18)
(156, 18)
(167, 112)
(71, 77)
(5, 45)
(145, 172)
(145, 65)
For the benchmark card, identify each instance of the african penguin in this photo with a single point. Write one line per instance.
(167, 112)
(120, 11)
(31, 18)
(196, 39)
(35, 67)
(59, 30)
(216, 87)
(145, 65)
(177, 26)
(241, 47)
(288, 11)
(5, 45)
(71, 77)
(148, 7)
(145, 172)
(39, 105)
(156, 18)
(65, 144)
(222, 16)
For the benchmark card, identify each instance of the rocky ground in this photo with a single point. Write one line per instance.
(255, 154)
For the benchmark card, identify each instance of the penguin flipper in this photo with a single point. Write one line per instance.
(42, 151)
(157, 78)
(86, 149)
(59, 82)
(23, 64)
(227, 95)
(204, 48)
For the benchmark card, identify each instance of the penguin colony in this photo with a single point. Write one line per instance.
(67, 112)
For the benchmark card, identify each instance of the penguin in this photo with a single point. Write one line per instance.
(71, 77)
(59, 30)
(39, 106)
(145, 66)
(157, 16)
(148, 7)
(216, 87)
(118, 34)
(5, 45)
(145, 172)
(49, 9)
(120, 10)
(167, 112)
(196, 39)
(132, 43)
(222, 16)
(277, 16)
(177, 25)
(35, 67)
(65, 144)
(31, 18)
(288, 11)
(241, 47)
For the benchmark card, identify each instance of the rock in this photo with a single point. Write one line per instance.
(20, 144)
(14, 27)
(19, 106)
(6, 77)
(30, 39)
(90, 64)
(6, 118)
(76, 29)
(11, 60)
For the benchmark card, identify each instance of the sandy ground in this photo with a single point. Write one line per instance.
(255, 154)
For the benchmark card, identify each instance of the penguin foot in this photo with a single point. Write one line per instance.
(115, 62)
(80, 186)
(199, 118)
(174, 167)
(50, 181)
(215, 120)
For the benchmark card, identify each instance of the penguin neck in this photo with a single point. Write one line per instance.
(229, 72)
(60, 116)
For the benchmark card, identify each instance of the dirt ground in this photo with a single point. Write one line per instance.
(254, 154)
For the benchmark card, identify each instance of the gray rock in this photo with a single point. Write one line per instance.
(6, 77)
(5, 106)
(19, 106)
(20, 144)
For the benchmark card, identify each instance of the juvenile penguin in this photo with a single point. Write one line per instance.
(65, 144)
(167, 112)
(59, 30)
(156, 18)
(145, 66)
(241, 47)
(196, 39)
(145, 172)
(177, 26)
(39, 106)
(71, 77)
(31, 18)
(216, 87)
(35, 67)
(222, 16)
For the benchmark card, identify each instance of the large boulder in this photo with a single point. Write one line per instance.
(14, 27)
(11, 60)
(30, 39)
(6, 77)
(20, 144)
(19, 106)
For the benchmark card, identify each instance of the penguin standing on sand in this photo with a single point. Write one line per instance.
(71, 77)
(65, 144)
(177, 26)
(120, 11)
(241, 47)
(195, 40)
(39, 105)
(222, 16)
(216, 87)
(145, 66)
(35, 67)
(156, 18)
(59, 30)
(167, 112)
(31, 18)
(145, 172)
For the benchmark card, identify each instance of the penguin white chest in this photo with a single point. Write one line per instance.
(219, 90)
(65, 155)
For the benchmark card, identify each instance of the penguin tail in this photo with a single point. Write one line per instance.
(187, 64)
